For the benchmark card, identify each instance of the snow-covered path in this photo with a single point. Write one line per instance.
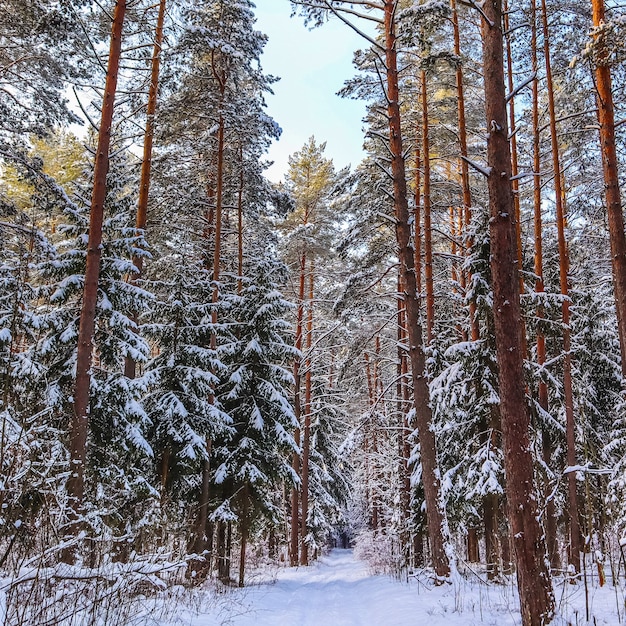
(340, 591)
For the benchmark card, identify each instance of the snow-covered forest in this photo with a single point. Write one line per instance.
(205, 375)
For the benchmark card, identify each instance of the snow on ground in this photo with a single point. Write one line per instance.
(338, 590)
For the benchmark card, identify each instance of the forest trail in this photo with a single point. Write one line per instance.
(339, 590)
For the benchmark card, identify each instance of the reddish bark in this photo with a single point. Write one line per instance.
(606, 118)
(491, 509)
(465, 180)
(146, 163)
(428, 231)
(535, 589)
(306, 432)
(417, 218)
(437, 524)
(294, 528)
(551, 515)
(575, 539)
(80, 420)
(473, 555)
(513, 133)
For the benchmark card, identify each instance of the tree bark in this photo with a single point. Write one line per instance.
(417, 219)
(240, 224)
(514, 164)
(244, 526)
(203, 504)
(435, 511)
(428, 231)
(491, 507)
(465, 179)
(80, 420)
(551, 515)
(404, 450)
(535, 588)
(472, 545)
(575, 539)
(223, 565)
(294, 529)
(606, 118)
(306, 432)
(130, 365)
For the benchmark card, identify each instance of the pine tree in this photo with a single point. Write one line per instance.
(255, 459)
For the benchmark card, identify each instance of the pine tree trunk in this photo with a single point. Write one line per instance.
(240, 224)
(243, 527)
(606, 119)
(80, 420)
(428, 231)
(198, 545)
(306, 433)
(404, 452)
(575, 539)
(491, 508)
(514, 164)
(295, 525)
(199, 541)
(417, 219)
(223, 570)
(165, 470)
(452, 214)
(472, 545)
(492, 503)
(535, 588)
(551, 515)
(435, 511)
(465, 179)
(373, 431)
(130, 365)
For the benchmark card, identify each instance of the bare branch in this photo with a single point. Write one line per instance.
(485, 170)
(517, 89)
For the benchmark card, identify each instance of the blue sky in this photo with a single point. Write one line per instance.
(313, 66)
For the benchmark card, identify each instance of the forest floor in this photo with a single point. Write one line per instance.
(336, 590)
(339, 590)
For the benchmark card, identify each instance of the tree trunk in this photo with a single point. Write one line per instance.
(130, 365)
(535, 588)
(223, 569)
(243, 526)
(491, 507)
(465, 180)
(203, 505)
(472, 545)
(294, 530)
(404, 451)
(514, 165)
(550, 516)
(198, 545)
(575, 543)
(80, 420)
(417, 219)
(606, 119)
(435, 511)
(306, 433)
(428, 231)
(240, 224)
